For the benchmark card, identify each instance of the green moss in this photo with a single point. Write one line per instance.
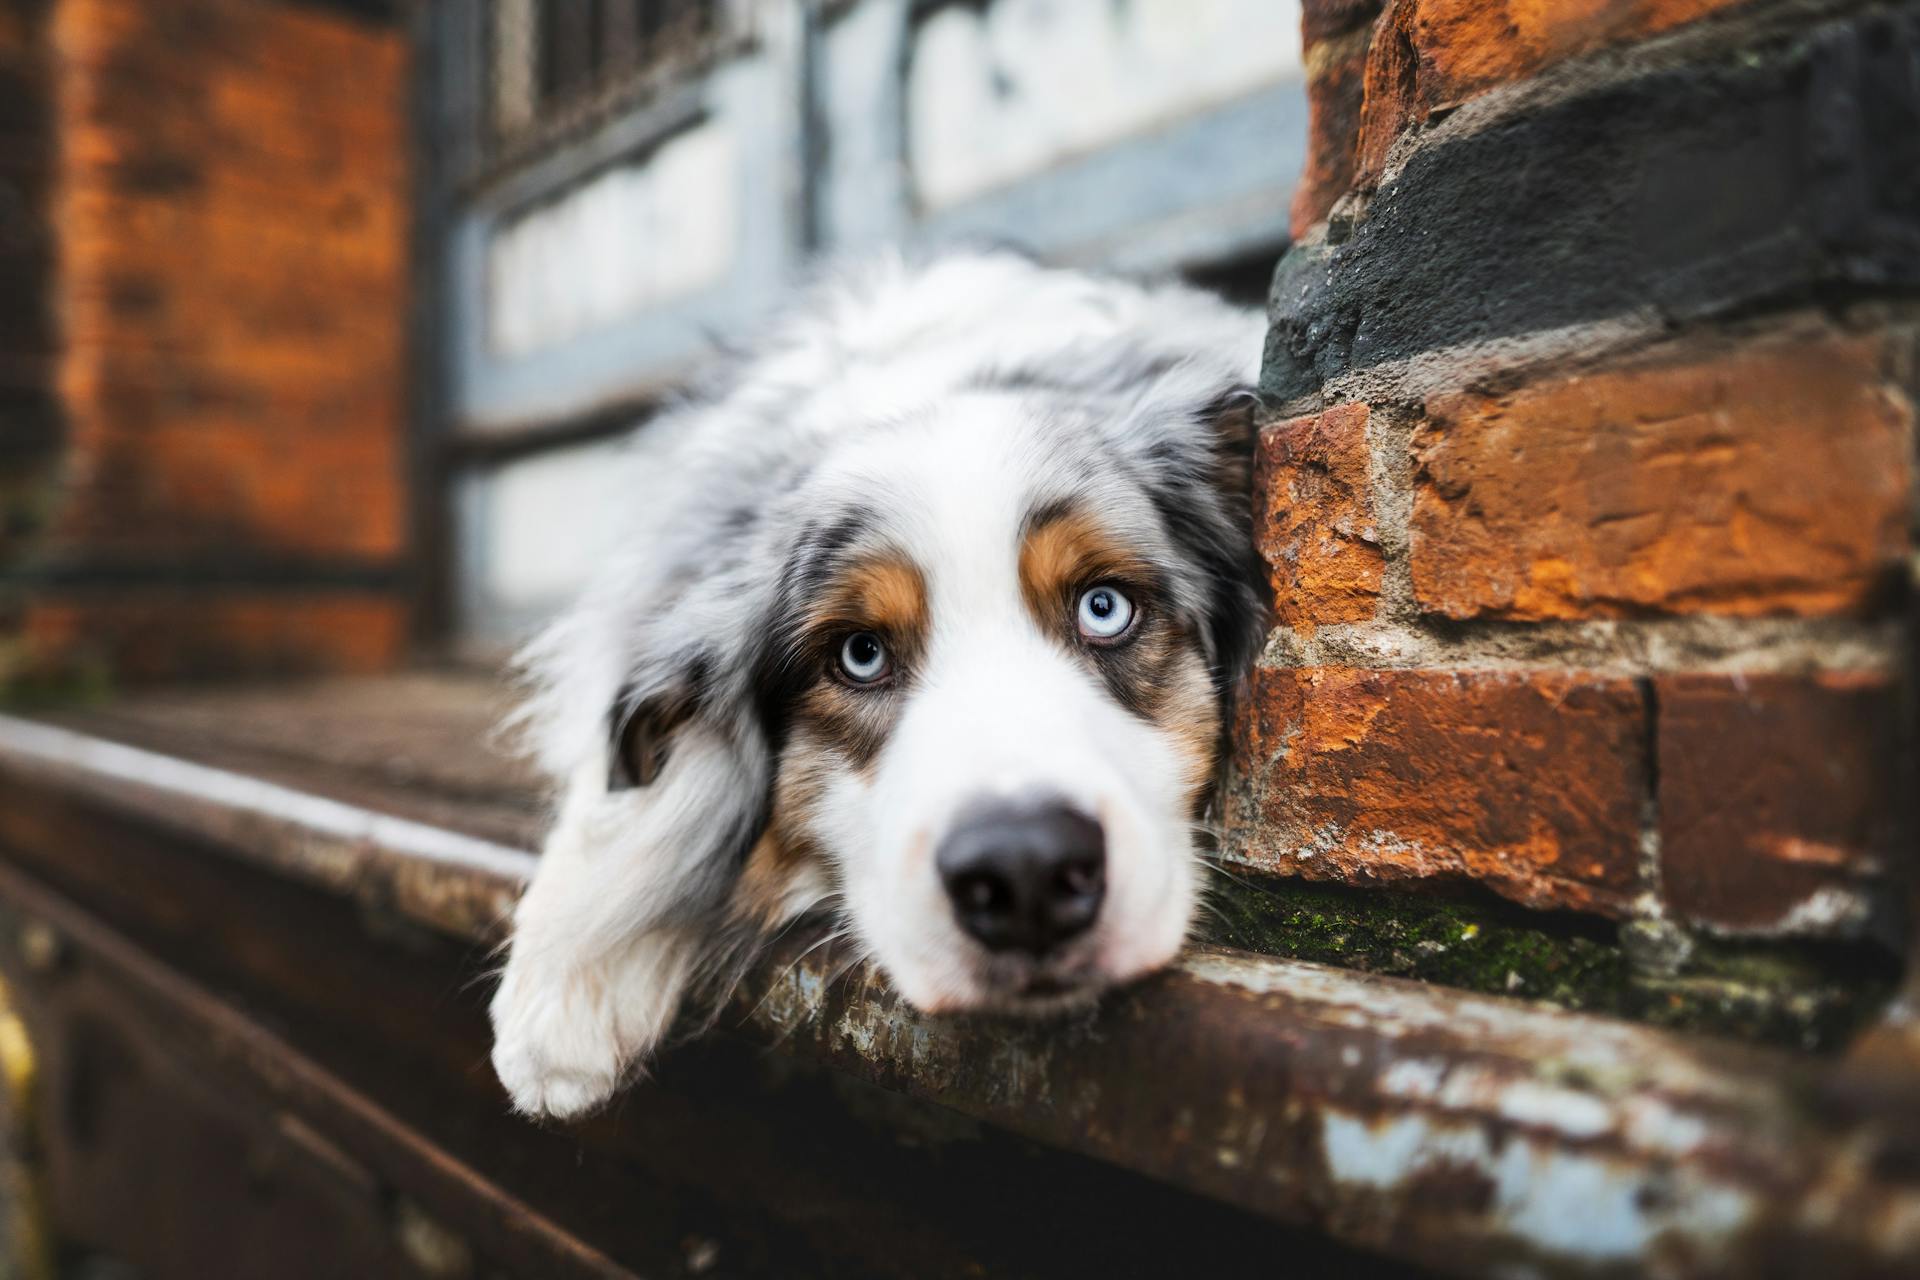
(1805, 995)
(1810, 997)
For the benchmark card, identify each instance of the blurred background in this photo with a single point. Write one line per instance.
(321, 317)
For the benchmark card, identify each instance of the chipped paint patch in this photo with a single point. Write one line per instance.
(1558, 1199)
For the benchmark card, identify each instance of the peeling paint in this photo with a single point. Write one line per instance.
(1560, 1200)
(1828, 911)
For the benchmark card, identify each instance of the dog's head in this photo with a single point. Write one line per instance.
(1003, 631)
(949, 652)
(970, 668)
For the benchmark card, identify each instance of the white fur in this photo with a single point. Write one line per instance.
(942, 401)
(1001, 712)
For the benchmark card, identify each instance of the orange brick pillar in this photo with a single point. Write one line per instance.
(227, 219)
(1588, 486)
(29, 409)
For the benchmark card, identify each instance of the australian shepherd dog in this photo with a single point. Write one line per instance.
(923, 614)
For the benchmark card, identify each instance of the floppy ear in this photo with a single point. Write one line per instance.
(1193, 443)
(665, 769)
(640, 730)
(680, 794)
(1242, 592)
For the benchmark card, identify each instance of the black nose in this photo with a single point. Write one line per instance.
(1028, 876)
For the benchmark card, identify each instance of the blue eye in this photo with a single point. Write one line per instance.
(1104, 613)
(863, 658)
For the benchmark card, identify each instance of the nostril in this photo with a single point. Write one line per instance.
(981, 893)
(1081, 878)
(1027, 877)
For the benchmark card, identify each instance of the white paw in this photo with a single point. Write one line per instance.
(556, 1046)
(568, 1028)
(542, 1088)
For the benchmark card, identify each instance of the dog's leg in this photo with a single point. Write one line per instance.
(576, 1008)
(608, 934)
(569, 1026)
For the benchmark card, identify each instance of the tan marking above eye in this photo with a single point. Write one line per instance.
(1065, 553)
(886, 594)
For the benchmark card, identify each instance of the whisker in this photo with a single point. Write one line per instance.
(836, 934)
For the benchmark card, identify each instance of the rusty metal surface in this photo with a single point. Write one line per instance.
(126, 1031)
(423, 746)
(1470, 1133)
(731, 1161)
(448, 880)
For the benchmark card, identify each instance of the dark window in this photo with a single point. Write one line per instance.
(556, 64)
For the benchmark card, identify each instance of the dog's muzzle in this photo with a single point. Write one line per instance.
(1024, 876)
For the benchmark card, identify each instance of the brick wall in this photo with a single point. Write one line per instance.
(1589, 484)
(29, 417)
(228, 279)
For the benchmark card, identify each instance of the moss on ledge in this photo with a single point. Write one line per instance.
(1806, 996)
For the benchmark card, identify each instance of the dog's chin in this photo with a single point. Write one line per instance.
(1000, 985)
(1042, 997)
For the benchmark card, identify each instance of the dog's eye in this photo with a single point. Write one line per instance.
(1104, 613)
(863, 658)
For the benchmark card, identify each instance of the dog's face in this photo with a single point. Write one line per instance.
(993, 686)
(925, 611)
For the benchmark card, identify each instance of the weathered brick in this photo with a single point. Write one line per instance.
(1335, 35)
(234, 280)
(1468, 46)
(1313, 519)
(228, 635)
(1435, 54)
(1388, 103)
(1768, 479)
(1325, 19)
(1779, 800)
(1531, 784)
(231, 372)
(1776, 170)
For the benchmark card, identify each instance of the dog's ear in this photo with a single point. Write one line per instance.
(627, 907)
(640, 729)
(1196, 437)
(642, 708)
(1242, 592)
(1234, 418)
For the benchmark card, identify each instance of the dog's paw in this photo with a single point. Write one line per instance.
(556, 1043)
(544, 1089)
(569, 1029)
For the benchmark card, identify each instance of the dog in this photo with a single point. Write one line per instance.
(925, 612)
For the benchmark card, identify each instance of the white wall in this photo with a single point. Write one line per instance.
(1003, 92)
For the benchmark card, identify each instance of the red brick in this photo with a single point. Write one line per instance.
(1779, 799)
(1387, 101)
(234, 280)
(148, 636)
(1469, 46)
(1429, 55)
(233, 300)
(1531, 784)
(1771, 479)
(1335, 37)
(1327, 19)
(1314, 519)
